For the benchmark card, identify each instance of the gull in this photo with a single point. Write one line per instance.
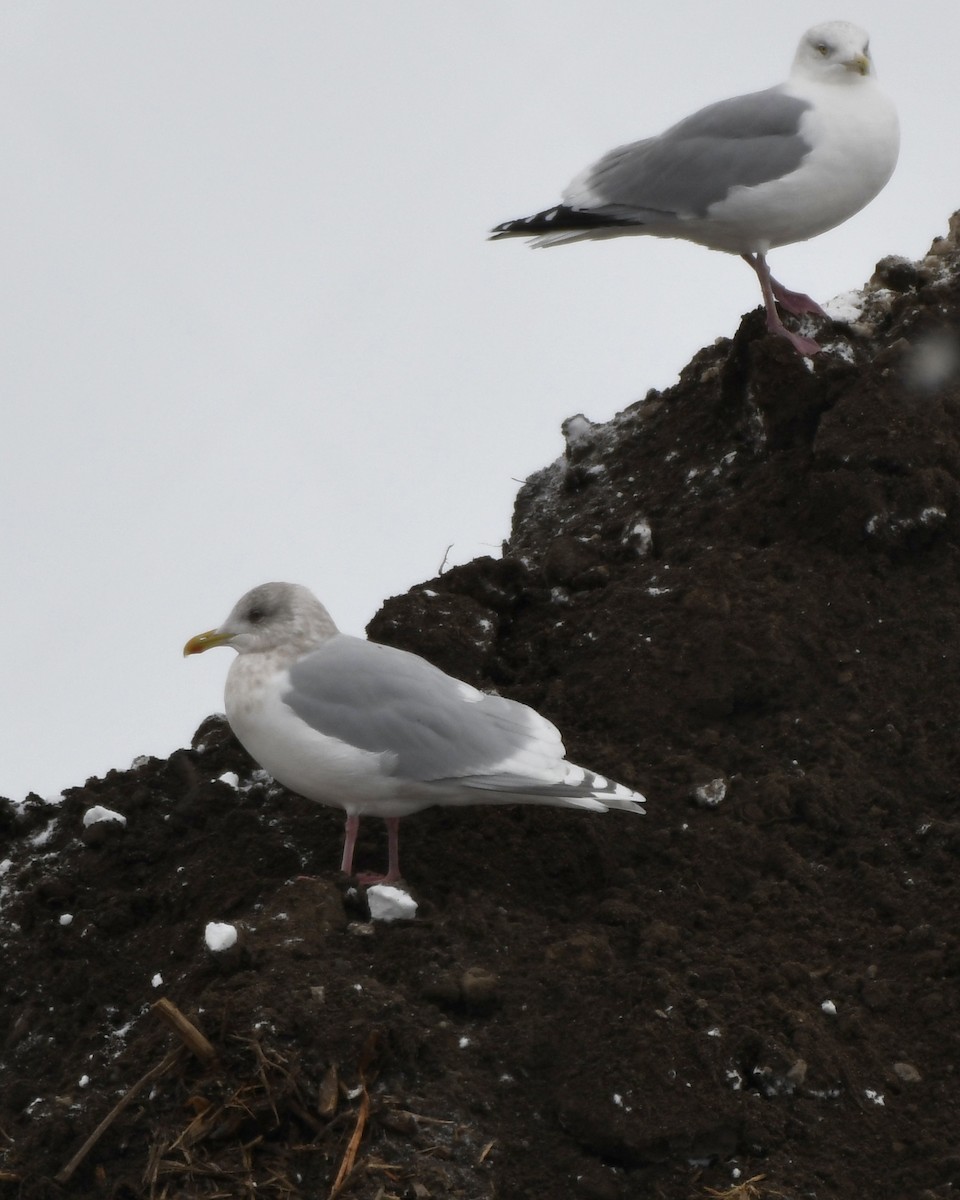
(381, 732)
(748, 174)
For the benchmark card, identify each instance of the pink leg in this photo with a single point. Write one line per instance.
(393, 851)
(769, 287)
(350, 830)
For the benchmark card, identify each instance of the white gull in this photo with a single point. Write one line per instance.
(379, 731)
(747, 174)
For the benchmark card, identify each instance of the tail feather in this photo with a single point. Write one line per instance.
(581, 789)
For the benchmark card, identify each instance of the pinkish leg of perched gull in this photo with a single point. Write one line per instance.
(393, 853)
(350, 830)
(770, 289)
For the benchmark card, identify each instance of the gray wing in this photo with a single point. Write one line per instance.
(431, 725)
(742, 141)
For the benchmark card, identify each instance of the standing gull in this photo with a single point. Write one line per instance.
(381, 732)
(750, 173)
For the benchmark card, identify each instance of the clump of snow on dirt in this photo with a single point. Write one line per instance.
(846, 307)
(98, 813)
(219, 935)
(576, 428)
(710, 794)
(42, 836)
(640, 537)
(390, 903)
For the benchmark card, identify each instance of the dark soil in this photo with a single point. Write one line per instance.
(753, 991)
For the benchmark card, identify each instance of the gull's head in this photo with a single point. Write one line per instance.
(268, 618)
(835, 50)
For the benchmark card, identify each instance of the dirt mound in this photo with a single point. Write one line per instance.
(740, 596)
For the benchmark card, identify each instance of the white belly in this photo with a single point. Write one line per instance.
(316, 766)
(856, 139)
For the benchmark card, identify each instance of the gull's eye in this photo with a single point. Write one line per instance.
(255, 616)
(822, 48)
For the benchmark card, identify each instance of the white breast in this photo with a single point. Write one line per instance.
(321, 768)
(855, 137)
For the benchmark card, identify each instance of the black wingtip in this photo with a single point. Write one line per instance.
(526, 226)
(559, 219)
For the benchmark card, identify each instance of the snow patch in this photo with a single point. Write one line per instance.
(710, 794)
(98, 813)
(576, 428)
(640, 537)
(890, 523)
(219, 936)
(841, 349)
(42, 836)
(390, 903)
(847, 307)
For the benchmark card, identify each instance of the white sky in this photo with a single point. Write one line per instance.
(253, 329)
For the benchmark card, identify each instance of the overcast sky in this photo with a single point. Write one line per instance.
(253, 330)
